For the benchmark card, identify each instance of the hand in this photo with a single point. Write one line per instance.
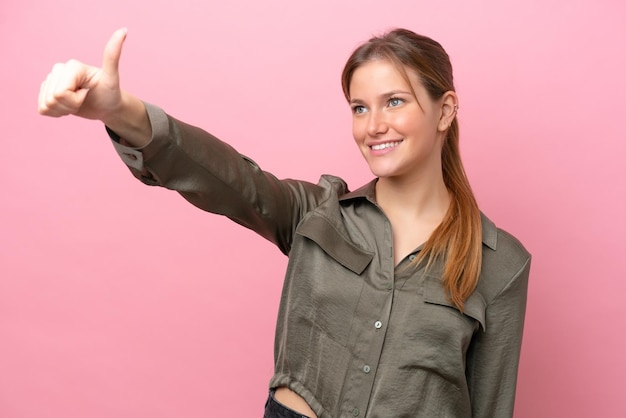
(74, 88)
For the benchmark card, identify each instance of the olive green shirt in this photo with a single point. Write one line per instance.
(357, 335)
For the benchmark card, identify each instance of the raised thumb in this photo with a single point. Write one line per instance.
(112, 52)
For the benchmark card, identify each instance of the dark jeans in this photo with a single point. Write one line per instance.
(274, 409)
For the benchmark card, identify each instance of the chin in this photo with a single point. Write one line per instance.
(383, 172)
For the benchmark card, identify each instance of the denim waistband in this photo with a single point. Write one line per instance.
(274, 409)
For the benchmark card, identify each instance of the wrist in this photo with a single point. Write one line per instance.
(130, 121)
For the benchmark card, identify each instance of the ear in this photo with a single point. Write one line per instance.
(449, 107)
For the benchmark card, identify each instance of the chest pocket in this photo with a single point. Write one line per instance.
(329, 274)
(474, 308)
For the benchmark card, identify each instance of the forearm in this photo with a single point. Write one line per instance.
(215, 177)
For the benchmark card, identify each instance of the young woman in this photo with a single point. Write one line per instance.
(400, 298)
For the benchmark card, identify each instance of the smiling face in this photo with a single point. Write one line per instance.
(397, 126)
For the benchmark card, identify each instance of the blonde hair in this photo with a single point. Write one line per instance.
(457, 241)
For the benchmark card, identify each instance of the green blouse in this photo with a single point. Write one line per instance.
(356, 335)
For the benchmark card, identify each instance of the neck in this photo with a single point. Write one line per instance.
(425, 198)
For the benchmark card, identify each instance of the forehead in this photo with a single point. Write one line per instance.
(378, 76)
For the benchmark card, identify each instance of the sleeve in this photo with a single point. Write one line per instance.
(213, 176)
(493, 355)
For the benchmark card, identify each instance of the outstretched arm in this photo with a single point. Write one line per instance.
(75, 88)
(163, 151)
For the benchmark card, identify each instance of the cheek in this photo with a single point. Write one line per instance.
(358, 130)
(408, 124)
(420, 127)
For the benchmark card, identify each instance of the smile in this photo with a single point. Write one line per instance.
(379, 147)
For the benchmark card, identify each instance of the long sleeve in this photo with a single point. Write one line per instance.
(214, 177)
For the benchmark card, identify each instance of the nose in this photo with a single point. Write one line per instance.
(377, 123)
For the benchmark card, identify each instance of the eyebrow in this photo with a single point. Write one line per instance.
(383, 96)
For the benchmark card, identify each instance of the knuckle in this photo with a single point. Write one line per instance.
(58, 67)
(73, 64)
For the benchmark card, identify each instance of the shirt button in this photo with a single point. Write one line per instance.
(378, 324)
(356, 412)
(366, 369)
(412, 257)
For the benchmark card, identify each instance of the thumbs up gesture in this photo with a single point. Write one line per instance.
(74, 88)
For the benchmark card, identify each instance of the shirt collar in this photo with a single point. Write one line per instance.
(368, 191)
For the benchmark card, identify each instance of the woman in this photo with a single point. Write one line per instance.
(400, 298)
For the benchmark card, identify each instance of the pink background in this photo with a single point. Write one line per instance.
(120, 300)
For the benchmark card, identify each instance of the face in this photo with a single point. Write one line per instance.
(399, 133)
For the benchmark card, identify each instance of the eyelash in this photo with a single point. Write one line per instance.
(391, 99)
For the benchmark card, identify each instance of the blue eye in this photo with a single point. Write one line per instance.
(358, 109)
(395, 101)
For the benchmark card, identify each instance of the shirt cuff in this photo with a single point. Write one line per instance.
(133, 156)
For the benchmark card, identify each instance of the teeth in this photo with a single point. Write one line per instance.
(379, 147)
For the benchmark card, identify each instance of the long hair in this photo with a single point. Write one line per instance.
(457, 241)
